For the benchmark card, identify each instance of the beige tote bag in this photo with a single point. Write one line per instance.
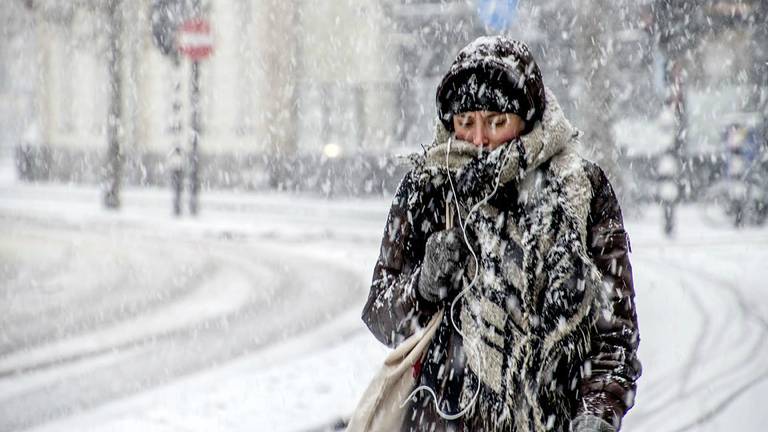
(379, 408)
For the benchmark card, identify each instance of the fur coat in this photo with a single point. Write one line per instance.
(546, 327)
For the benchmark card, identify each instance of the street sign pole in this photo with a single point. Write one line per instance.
(194, 41)
(195, 126)
(176, 128)
(166, 17)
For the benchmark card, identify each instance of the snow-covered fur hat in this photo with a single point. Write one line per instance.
(493, 73)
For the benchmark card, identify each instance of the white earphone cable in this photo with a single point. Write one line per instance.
(462, 225)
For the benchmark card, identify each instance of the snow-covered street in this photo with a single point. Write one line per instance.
(247, 318)
(99, 306)
(703, 310)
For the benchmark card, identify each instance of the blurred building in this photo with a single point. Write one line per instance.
(287, 78)
(318, 91)
(17, 86)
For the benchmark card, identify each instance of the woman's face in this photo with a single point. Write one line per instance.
(487, 129)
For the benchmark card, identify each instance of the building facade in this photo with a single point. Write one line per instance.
(294, 79)
(311, 89)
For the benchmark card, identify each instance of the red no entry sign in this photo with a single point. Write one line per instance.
(194, 39)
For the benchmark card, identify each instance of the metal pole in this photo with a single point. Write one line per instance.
(114, 153)
(177, 161)
(194, 157)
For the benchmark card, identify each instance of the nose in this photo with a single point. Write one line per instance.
(479, 137)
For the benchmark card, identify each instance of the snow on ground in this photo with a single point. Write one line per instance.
(297, 385)
(165, 298)
(703, 309)
(701, 298)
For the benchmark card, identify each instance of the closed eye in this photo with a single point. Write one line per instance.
(497, 121)
(465, 123)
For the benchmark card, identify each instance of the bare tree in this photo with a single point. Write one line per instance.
(597, 67)
(61, 13)
(282, 74)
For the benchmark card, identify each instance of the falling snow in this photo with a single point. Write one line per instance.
(193, 192)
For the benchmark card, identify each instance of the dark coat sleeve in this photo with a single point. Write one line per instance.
(394, 309)
(607, 387)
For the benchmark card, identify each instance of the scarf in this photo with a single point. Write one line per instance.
(537, 290)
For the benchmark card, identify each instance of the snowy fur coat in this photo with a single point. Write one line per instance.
(546, 329)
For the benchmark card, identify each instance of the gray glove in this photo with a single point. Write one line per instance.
(590, 423)
(444, 257)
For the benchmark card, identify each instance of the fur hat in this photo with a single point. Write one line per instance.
(492, 74)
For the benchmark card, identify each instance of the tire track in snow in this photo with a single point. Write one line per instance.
(59, 294)
(146, 326)
(160, 358)
(93, 380)
(754, 355)
(735, 368)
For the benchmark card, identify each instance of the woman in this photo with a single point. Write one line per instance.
(539, 331)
